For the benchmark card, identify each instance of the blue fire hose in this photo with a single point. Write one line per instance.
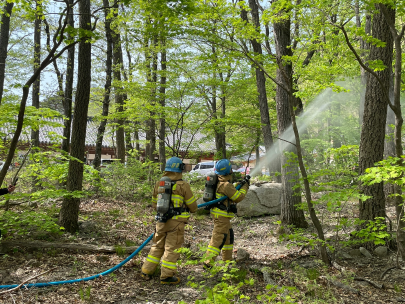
(116, 266)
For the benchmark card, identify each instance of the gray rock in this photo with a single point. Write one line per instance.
(310, 264)
(242, 255)
(347, 256)
(182, 293)
(267, 276)
(355, 253)
(262, 200)
(365, 252)
(381, 251)
(88, 227)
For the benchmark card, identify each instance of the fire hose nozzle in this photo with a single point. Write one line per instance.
(245, 180)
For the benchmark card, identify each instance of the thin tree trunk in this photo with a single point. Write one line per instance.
(37, 62)
(275, 166)
(68, 98)
(162, 97)
(389, 142)
(151, 66)
(69, 212)
(374, 120)
(107, 87)
(4, 37)
(119, 97)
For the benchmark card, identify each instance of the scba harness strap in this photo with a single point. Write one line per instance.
(163, 218)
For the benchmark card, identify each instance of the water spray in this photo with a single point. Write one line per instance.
(287, 138)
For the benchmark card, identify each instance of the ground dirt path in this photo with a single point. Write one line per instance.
(107, 222)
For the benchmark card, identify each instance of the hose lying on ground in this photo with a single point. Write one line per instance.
(111, 269)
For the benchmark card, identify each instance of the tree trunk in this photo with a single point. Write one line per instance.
(389, 142)
(37, 62)
(4, 37)
(274, 166)
(107, 87)
(151, 66)
(290, 214)
(162, 91)
(68, 98)
(364, 47)
(69, 212)
(119, 97)
(374, 120)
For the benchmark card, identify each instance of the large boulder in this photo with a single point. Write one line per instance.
(261, 199)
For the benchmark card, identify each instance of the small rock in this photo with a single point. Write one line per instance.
(381, 251)
(355, 253)
(310, 264)
(174, 296)
(346, 256)
(88, 227)
(267, 276)
(102, 258)
(242, 255)
(400, 299)
(365, 252)
(19, 272)
(189, 292)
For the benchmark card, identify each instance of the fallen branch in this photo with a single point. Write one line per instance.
(71, 246)
(26, 281)
(338, 267)
(13, 204)
(368, 281)
(386, 270)
(341, 285)
(15, 178)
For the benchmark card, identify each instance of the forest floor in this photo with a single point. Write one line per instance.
(297, 272)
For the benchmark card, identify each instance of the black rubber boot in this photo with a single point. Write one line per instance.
(146, 277)
(207, 266)
(171, 281)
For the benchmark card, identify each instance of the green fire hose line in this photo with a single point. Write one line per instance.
(111, 269)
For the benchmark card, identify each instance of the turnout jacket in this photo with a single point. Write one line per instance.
(181, 196)
(226, 188)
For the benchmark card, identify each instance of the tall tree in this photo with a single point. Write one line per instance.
(375, 115)
(151, 79)
(162, 99)
(69, 212)
(68, 98)
(37, 62)
(107, 86)
(119, 96)
(4, 38)
(261, 85)
(290, 213)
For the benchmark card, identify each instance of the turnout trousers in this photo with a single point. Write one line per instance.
(168, 237)
(222, 239)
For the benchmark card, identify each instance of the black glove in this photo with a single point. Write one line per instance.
(247, 180)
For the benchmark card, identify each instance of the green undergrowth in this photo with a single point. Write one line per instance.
(228, 282)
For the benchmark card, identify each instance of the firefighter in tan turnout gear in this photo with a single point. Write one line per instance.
(222, 213)
(169, 236)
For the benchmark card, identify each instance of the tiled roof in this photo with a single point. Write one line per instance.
(199, 142)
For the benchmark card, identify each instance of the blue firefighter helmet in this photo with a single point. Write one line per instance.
(223, 167)
(174, 164)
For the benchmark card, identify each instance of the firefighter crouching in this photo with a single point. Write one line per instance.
(222, 236)
(169, 234)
